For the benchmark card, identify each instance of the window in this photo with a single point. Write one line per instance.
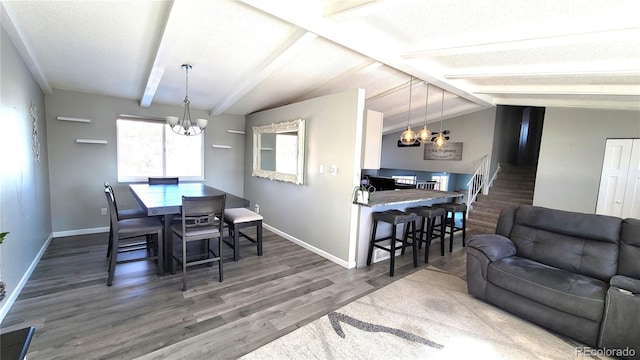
(443, 181)
(150, 148)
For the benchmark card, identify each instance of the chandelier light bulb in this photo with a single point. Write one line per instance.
(424, 135)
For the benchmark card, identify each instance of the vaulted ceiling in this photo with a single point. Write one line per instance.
(251, 55)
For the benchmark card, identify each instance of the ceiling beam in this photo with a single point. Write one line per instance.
(24, 48)
(370, 45)
(274, 61)
(170, 36)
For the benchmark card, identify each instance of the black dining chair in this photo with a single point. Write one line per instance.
(163, 180)
(122, 214)
(202, 220)
(126, 233)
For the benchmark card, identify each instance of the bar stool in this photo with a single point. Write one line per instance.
(394, 217)
(238, 218)
(429, 216)
(452, 209)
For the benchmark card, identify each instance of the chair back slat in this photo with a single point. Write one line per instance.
(163, 180)
(113, 211)
(202, 212)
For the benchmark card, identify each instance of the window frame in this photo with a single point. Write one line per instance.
(166, 130)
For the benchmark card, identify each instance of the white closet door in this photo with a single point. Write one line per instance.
(619, 192)
(631, 202)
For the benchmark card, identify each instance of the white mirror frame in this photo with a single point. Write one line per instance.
(288, 126)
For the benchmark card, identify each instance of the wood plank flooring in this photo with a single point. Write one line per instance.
(147, 316)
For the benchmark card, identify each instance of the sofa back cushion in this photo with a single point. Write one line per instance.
(586, 244)
(629, 262)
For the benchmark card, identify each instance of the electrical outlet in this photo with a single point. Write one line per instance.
(257, 208)
(103, 211)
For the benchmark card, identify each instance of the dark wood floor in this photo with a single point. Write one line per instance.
(262, 298)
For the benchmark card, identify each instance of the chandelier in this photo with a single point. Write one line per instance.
(408, 137)
(186, 126)
(424, 135)
(441, 139)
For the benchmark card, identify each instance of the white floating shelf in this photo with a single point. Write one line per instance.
(91, 141)
(74, 119)
(236, 131)
(266, 149)
(220, 146)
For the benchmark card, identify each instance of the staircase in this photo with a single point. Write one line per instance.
(513, 185)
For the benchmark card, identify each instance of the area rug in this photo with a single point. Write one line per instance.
(425, 315)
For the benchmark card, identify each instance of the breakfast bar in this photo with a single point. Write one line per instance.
(393, 199)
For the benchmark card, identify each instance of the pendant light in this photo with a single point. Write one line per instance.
(408, 137)
(440, 140)
(186, 126)
(424, 135)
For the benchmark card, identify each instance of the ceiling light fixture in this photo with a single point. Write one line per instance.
(186, 126)
(424, 135)
(440, 139)
(408, 137)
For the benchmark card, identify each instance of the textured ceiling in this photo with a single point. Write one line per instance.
(252, 55)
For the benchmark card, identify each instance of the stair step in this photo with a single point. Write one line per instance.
(506, 199)
(512, 192)
(477, 226)
(486, 207)
(483, 216)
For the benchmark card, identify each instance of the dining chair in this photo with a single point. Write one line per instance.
(202, 220)
(163, 180)
(122, 214)
(126, 232)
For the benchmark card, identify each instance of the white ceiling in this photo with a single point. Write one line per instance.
(252, 55)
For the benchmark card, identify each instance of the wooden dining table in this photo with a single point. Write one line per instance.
(166, 200)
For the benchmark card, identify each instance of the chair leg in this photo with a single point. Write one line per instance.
(184, 265)
(430, 224)
(443, 222)
(109, 246)
(372, 241)
(464, 229)
(113, 259)
(220, 277)
(236, 243)
(392, 256)
(452, 226)
(259, 235)
(414, 246)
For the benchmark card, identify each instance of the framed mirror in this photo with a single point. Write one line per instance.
(278, 151)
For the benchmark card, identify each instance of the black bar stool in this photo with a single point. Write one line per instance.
(452, 209)
(428, 224)
(394, 217)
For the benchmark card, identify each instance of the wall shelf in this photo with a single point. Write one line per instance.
(216, 146)
(73, 119)
(236, 131)
(91, 141)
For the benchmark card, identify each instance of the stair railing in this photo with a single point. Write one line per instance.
(479, 182)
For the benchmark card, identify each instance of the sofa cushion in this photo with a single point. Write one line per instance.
(628, 263)
(559, 289)
(583, 243)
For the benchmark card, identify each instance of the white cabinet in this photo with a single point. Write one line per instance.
(372, 141)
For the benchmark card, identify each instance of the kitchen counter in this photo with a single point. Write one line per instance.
(394, 197)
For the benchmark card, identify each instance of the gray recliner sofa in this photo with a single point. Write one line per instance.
(576, 274)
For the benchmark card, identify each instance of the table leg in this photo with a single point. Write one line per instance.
(169, 265)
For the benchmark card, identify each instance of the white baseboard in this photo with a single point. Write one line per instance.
(8, 303)
(324, 254)
(57, 234)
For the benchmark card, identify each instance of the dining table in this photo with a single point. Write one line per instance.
(165, 200)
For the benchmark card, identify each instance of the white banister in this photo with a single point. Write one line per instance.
(478, 182)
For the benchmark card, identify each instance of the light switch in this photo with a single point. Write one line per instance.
(321, 169)
(334, 170)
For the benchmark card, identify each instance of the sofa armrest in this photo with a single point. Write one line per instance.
(482, 250)
(493, 246)
(626, 283)
(620, 326)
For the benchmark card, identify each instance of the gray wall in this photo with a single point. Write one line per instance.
(572, 152)
(78, 171)
(25, 210)
(474, 130)
(319, 213)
